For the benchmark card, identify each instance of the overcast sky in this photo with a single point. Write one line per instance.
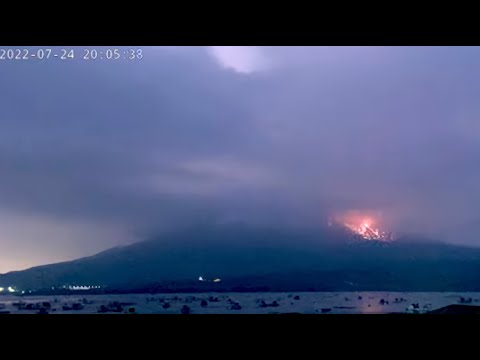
(95, 154)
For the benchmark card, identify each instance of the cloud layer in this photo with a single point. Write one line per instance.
(94, 154)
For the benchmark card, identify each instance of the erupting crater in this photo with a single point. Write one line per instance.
(363, 225)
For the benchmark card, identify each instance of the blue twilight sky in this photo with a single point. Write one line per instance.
(95, 154)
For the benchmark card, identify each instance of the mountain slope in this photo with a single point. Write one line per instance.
(278, 259)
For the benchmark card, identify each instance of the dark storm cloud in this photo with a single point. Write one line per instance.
(82, 134)
(105, 143)
(277, 135)
(388, 128)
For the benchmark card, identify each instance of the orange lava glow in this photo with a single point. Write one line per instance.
(363, 223)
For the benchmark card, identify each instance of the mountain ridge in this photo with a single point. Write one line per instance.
(270, 258)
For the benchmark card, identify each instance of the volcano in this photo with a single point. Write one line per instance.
(275, 259)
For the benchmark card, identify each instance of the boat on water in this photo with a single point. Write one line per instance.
(214, 280)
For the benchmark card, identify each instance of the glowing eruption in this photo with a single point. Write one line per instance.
(361, 225)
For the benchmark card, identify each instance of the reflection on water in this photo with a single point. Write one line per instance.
(306, 303)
